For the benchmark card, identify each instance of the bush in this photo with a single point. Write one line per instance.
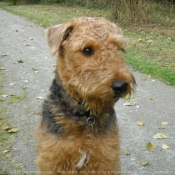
(141, 11)
(14, 2)
(50, 1)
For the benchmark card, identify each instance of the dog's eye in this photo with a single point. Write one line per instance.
(88, 51)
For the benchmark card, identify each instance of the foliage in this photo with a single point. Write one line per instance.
(50, 1)
(17, 2)
(86, 3)
(141, 11)
(14, 2)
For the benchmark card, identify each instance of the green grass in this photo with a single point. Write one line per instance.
(152, 52)
(47, 15)
(6, 138)
(16, 99)
(150, 48)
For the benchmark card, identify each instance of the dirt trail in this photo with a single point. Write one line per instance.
(28, 70)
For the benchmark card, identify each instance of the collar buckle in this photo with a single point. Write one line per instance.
(91, 121)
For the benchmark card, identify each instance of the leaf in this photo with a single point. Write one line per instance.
(128, 96)
(6, 151)
(151, 147)
(4, 96)
(161, 127)
(13, 130)
(140, 40)
(40, 98)
(6, 127)
(35, 69)
(141, 123)
(20, 61)
(164, 146)
(2, 68)
(12, 84)
(13, 94)
(151, 98)
(126, 152)
(164, 123)
(144, 163)
(3, 55)
(160, 136)
(129, 104)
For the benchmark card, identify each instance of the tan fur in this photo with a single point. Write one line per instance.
(81, 149)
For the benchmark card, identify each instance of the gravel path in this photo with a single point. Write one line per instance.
(28, 70)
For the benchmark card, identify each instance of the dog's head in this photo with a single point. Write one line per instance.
(89, 65)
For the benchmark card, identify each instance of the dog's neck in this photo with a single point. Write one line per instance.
(73, 108)
(68, 104)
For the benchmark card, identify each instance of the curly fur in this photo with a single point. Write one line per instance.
(67, 141)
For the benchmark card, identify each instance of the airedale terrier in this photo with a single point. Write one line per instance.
(78, 133)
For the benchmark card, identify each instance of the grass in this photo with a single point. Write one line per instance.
(150, 48)
(47, 15)
(6, 138)
(152, 52)
(16, 99)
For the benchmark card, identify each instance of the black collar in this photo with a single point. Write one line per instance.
(75, 113)
(59, 95)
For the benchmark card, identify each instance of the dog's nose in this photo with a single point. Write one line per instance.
(119, 87)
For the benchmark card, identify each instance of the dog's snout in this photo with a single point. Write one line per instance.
(119, 87)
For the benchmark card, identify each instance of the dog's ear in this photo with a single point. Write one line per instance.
(56, 35)
(120, 38)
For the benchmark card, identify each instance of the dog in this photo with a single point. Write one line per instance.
(78, 133)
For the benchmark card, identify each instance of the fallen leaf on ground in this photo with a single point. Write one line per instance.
(2, 68)
(33, 68)
(140, 40)
(126, 152)
(6, 127)
(141, 123)
(151, 147)
(4, 96)
(40, 98)
(6, 151)
(164, 146)
(164, 123)
(144, 163)
(129, 104)
(20, 61)
(160, 136)
(13, 130)
(3, 55)
(161, 127)
(12, 94)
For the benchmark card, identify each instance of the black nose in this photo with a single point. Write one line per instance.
(119, 87)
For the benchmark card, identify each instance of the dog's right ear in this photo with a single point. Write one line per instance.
(56, 35)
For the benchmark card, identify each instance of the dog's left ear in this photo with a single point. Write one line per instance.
(119, 38)
(56, 35)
